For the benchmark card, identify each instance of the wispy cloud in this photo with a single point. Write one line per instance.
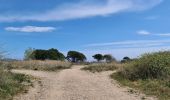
(131, 48)
(163, 34)
(145, 32)
(119, 53)
(30, 29)
(84, 9)
(130, 44)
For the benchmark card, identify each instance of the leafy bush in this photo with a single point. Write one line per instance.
(76, 57)
(109, 58)
(153, 87)
(126, 59)
(148, 66)
(11, 84)
(51, 54)
(98, 57)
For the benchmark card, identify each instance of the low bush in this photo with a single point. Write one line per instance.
(11, 84)
(149, 73)
(154, 87)
(149, 66)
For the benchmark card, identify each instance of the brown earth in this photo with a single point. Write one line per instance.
(75, 84)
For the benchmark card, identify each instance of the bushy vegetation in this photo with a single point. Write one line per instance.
(38, 54)
(11, 84)
(149, 73)
(28, 54)
(99, 67)
(98, 57)
(47, 65)
(76, 57)
(148, 66)
(126, 59)
(107, 57)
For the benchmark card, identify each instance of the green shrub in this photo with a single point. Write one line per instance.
(11, 84)
(153, 87)
(148, 66)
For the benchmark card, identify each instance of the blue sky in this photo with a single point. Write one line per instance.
(117, 27)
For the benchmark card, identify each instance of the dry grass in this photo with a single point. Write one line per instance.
(47, 65)
(150, 73)
(11, 83)
(99, 67)
(153, 87)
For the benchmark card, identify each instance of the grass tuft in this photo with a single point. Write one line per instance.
(154, 87)
(150, 74)
(11, 84)
(99, 67)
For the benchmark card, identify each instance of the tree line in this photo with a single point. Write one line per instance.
(72, 56)
(53, 54)
(107, 57)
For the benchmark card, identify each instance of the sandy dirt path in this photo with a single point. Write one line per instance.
(75, 84)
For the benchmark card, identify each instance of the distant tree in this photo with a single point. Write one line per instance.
(28, 54)
(54, 54)
(98, 57)
(125, 59)
(51, 54)
(109, 58)
(75, 56)
(40, 54)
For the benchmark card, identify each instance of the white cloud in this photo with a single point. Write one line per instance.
(143, 32)
(84, 9)
(130, 44)
(163, 34)
(131, 48)
(30, 29)
(119, 53)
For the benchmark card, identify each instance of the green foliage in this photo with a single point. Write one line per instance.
(54, 54)
(155, 87)
(75, 56)
(40, 54)
(11, 84)
(150, 73)
(28, 54)
(51, 54)
(126, 59)
(109, 58)
(98, 57)
(149, 66)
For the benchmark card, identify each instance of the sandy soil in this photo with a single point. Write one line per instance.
(75, 84)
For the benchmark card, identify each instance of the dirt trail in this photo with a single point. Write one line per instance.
(75, 84)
